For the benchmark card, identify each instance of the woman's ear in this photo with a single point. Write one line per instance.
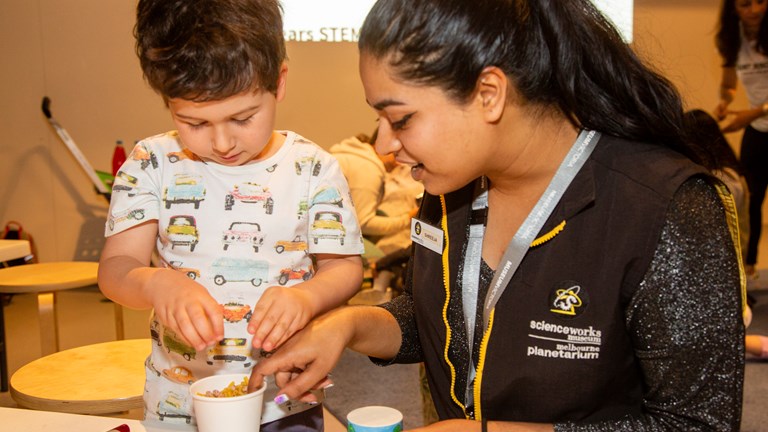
(492, 92)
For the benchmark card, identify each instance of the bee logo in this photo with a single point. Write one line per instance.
(568, 299)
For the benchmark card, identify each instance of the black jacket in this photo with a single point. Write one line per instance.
(559, 347)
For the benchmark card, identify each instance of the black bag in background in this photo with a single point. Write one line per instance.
(14, 231)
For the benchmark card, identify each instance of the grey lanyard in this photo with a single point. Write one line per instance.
(518, 246)
(470, 280)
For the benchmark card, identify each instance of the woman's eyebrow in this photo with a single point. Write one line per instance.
(386, 103)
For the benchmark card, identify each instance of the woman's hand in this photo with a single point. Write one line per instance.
(304, 361)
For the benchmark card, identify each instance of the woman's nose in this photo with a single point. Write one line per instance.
(386, 141)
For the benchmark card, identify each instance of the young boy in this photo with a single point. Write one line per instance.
(254, 228)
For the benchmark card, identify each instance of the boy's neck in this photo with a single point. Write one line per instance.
(273, 146)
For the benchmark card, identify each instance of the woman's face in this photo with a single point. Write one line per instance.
(751, 12)
(440, 140)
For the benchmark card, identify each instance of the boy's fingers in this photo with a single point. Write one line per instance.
(276, 336)
(216, 318)
(260, 336)
(201, 322)
(190, 334)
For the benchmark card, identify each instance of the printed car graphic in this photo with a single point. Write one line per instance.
(303, 208)
(190, 272)
(229, 350)
(228, 269)
(136, 214)
(249, 193)
(173, 343)
(124, 182)
(173, 406)
(174, 157)
(307, 161)
(328, 225)
(287, 274)
(185, 189)
(146, 158)
(182, 231)
(236, 311)
(248, 233)
(326, 195)
(298, 244)
(179, 374)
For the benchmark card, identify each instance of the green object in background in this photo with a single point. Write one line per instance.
(107, 179)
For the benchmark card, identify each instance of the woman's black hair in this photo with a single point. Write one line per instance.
(705, 136)
(728, 38)
(557, 53)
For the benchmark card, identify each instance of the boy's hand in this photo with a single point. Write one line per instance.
(280, 312)
(187, 308)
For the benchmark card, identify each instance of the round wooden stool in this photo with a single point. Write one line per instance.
(93, 379)
(45, 279)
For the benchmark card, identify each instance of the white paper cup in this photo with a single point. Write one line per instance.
(375, 419)
(231, 414)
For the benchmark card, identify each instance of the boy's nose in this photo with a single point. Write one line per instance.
(222, 142)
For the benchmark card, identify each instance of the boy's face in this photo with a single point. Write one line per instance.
(233, 131)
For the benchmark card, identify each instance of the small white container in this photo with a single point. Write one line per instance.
(375, 419)
(231, 414)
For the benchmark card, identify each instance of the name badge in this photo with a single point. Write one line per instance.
(427, 235)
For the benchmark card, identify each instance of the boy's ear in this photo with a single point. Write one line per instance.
(492, 92)
(281, 82)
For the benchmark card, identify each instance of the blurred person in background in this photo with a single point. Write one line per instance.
(742, 40)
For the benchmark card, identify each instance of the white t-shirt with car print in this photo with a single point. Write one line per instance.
(236, 230)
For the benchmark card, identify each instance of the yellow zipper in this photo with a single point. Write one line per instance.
(447, 284)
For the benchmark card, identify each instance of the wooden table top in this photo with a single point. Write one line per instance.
(49, 276)
(93, 379)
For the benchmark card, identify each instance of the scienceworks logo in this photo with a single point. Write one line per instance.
(568, 299)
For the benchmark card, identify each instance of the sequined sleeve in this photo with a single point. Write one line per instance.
(401, 307)
(685, 323)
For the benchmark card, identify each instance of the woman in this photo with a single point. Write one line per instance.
(551, 155)
(742, 40)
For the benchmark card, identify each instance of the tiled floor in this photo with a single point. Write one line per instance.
(84, 317)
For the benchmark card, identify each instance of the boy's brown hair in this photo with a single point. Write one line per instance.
(205, 50)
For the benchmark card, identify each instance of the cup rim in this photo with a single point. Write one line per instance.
(235, 377)
(353, 416)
